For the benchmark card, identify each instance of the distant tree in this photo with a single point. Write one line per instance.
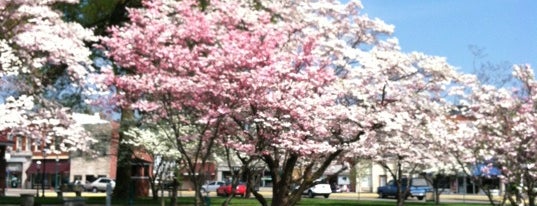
(100, 15)
(162, 150)
(490, 72)
(31, 61)
(505, 132)
(410, 101)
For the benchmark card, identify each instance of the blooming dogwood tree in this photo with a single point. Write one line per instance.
(303, 126)
(189, 67)
(505, 134)
(36, 45)
(293, 84)
(261, 79)
(398, 97)
(408, 98)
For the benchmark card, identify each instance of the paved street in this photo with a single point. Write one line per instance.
(267, 193)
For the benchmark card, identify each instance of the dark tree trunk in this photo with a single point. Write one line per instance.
(260, 198)
(280, 196)
(124, 154)
(401, 192)
(234, 184)
(123, 175)
(282, 177)
(436, 196)
(154, 190)
(175, 186)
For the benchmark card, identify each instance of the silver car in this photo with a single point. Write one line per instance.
(100, 184)
(212, 186)
(318, 189)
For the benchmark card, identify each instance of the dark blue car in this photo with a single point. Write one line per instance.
(418, 188)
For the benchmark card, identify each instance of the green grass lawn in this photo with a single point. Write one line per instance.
(185, 201)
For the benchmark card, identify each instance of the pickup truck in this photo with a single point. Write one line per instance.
(418, 188)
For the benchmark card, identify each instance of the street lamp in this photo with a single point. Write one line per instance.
(7, 156)
(37, 175)
(43, 176)
(56, 179)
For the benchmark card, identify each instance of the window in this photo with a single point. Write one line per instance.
(27, 143)
(90, 178)
(391, 183)
(419, 182)
(19, 145)
(382, 180)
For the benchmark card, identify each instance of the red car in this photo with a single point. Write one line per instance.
(225, 190)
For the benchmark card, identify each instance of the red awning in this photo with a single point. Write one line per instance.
(50, 167)
(4, 140)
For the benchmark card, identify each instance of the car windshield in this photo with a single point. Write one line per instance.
(419, 182)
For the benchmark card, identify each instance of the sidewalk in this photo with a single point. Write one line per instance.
(461, 197)
(16, 192)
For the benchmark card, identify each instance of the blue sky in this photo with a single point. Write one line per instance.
(506, 29)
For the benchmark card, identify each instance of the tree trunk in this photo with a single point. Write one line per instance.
(173, 199)
(353, 177)
(124, 153)
(281, 179)
(197, 182)
(401, 192)
(436, 197)
(260, 198)
(400, 197)
(154, 190)
(531, 200)
(123, 175)
(280, 196)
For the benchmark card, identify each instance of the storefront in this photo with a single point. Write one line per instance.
(14, 174)
(49, 173)
(4, 142)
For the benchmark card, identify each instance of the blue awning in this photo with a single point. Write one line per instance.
(486, 170)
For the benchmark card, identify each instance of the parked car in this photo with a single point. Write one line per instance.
(100, 184)
(164, 184)
(212, 186)
(75, 186)
(225, 190)
(418, 188)
(323, 189)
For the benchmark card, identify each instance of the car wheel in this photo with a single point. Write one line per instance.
(310, 194)
(94, 189)
(382, 195)
(326, 196)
